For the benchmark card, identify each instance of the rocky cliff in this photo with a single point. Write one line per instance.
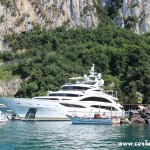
(131, 14)
(135, 14)
(22, 15)
(10, 88)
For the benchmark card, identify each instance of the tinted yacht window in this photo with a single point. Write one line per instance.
(78, 88)
(64, 94)
(97, 99)
(72, 105)
(47, 98)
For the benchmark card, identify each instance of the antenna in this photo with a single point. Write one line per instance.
(92, 73)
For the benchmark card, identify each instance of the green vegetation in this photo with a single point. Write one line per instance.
(119, 3)
(5, 74)
(7, 3)
(6, 56)
(87, 8)
(47, 58)
(130, 22)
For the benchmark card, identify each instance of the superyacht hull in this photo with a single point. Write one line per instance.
(30, 109)
(45, 110)
(38, 110)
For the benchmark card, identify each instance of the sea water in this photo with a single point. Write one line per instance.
(62, 135)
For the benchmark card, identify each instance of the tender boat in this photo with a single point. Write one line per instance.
(81, 94)
(89, 120)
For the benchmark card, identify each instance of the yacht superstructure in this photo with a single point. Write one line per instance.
(82, 96)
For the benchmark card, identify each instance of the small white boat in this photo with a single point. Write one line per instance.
(3, 118)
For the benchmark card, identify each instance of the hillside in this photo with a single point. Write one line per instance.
(42, 49)
(22, 15)
(47, 58)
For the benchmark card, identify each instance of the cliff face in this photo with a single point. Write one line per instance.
(10, 88)
(22, 15)
(131, 14)
(140, 12)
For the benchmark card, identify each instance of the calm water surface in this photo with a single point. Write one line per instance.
(19, 135)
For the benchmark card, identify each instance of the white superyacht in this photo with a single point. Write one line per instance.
(85, 97)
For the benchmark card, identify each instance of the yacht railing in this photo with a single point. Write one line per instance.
(102, 113)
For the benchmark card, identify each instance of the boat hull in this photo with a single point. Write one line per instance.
(36, 110)
(97, 121)
(44, 110)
